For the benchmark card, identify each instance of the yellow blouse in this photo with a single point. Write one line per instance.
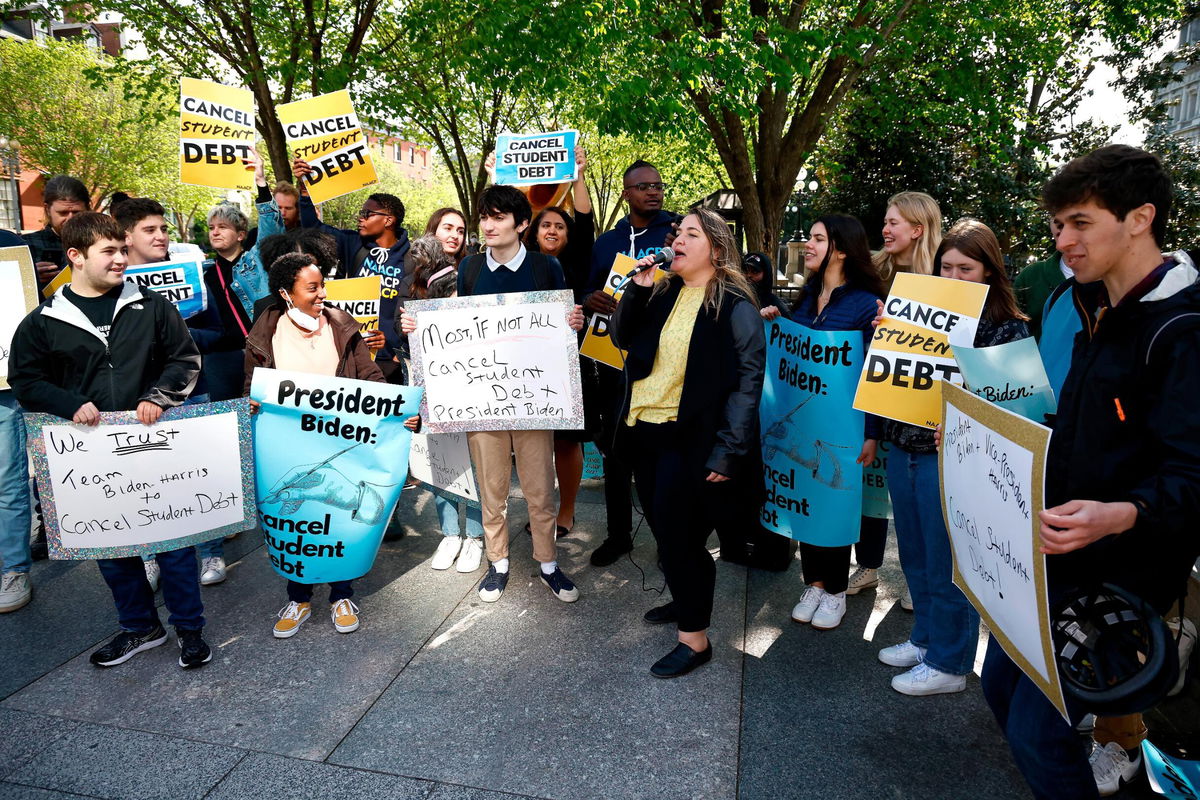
(655, 398)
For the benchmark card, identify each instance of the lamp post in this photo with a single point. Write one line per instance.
(10, 195)
(795, 245)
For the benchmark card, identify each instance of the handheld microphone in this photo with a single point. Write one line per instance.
(664, 256)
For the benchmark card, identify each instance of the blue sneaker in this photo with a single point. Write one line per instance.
(493, 585)
(561, 585)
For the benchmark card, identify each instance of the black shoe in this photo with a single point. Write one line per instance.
(610, 550)
(193, 651)
(38, 549)
(126, 645)
(681, 661)
(661, 615)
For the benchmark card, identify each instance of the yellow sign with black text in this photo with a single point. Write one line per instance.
(216, 135)
(325, 132)
(597, 344)
(358, 297)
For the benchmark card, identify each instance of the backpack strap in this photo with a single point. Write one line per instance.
(470, 268)
(542, 279)
(1192, 320)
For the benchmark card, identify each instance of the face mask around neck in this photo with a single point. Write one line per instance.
(303, 321)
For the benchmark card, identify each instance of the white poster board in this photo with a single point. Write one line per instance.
(442, 461)
(18, 296)
(992, 464)
(497, 362)
(121, 488)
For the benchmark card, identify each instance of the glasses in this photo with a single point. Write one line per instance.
(644, 187)
(364, 214)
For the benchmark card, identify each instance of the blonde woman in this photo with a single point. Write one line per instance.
(696, 353)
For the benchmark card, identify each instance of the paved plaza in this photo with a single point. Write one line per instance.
(442, 697)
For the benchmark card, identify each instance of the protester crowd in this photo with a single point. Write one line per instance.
(1118, 324)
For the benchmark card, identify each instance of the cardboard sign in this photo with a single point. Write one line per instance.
(992, 465)
(60, 280)
(325, 132)
(122, 488)
(358, 297)
(216, 134)
(331, 456)
(530, 159)
(18, 296)
(497, 362)
(180, 280)
(910, 353)
(1011, 375)
(597, 343)
(811, 437)
(442, 461)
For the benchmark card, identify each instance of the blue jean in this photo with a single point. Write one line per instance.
(944, 622)
(1049, 752)
(126, 579)
(14, 487)
(447, 510)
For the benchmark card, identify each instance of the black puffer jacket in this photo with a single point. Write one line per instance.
(722, 386)
(1128, 429)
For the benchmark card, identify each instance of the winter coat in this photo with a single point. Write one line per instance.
(354, 359)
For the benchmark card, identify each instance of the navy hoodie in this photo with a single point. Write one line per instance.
(633, 242)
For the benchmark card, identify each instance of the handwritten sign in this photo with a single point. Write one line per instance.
(992, 464)
(811, 436)
(180, 280)
(497, 362)
(442, 461)
(529, 159)
(216, 134)
(910, 354)
(597, 343)
(1011, 375)
(358, 297)
(325, 132)
(18, 296)
(122, 488)
(331, 459)
(877, 502)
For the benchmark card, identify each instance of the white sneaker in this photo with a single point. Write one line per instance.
(862, 578)
(153, 573)
(447, 551)
(906, 600)
(1111, 767)
(1187, 642)
(809, 601)
(830, 612)
(471, 555)
(905, 654)
(212, 571)
(924, 680)
(15, 591)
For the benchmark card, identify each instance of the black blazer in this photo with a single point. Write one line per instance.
(722, 385)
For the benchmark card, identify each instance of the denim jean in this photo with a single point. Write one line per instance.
(1049, 752)
(447, 510)
(213, 548)
(944, 621)
(126, 579)
(14, 487)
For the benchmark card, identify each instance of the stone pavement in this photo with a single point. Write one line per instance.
(442, 697)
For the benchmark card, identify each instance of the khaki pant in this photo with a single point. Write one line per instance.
(1127, 731)
(491, 452)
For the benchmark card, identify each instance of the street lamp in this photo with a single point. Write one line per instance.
(11, 165)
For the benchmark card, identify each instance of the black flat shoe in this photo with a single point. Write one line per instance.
(681, 661)
(661, 615)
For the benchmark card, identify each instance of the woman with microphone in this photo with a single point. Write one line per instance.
(689, 423)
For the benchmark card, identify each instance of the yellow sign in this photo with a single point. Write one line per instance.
(325, 132)
(18, 296)
(597, 344)
(358, 297)
(61, 279)
(910, 352)
(216, 134)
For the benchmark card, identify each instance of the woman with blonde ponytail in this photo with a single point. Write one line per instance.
(912, 231)
(689, 425)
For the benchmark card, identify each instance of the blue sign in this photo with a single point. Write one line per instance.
(1011, 375)
(1171, 777)
(180, 280)
(877, 502)
(530, 159)
(811, 434)
(331, 458)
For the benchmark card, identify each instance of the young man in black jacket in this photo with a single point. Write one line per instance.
(1123, 469)
(104, 344)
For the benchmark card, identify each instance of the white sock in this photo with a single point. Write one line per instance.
(501, 565)
(549, 567)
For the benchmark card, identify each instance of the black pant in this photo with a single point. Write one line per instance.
(609, 391)
(303, 592)
(828, 565)
(872, 539)
(671, 486)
